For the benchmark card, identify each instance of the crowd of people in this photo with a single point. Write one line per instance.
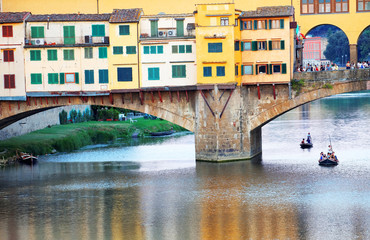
(332, 67)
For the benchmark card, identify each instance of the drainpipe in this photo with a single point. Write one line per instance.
(138, 53)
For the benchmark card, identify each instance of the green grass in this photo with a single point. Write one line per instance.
(70, 137)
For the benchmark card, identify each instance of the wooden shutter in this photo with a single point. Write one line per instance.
(282, 45)
(154, 28)
(283, 68)
(241, 46)
(255, 24)
(61, 76)
(281, 23)
(77, 78)
(241, 25)
(265, 24)
(254, 45)
(256, 69)
(179, 28)
(146, 49)
(269, 68)
(160, 49)
(270, 24)
(69, 34)
(270, 45)
(242, 70)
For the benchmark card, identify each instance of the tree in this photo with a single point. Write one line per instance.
(363, 45)
(337, 47)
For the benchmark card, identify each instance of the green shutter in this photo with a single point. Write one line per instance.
(265, 24)
(69, 34)
(175, 49)
(102, 52)
(270, 45)
(98, 30)
(189, 49)
(281, 23)
(146, 49)
(241, 24)
(52, 55)
(269, 68)
(252, 69)
(53, 78)
(61, 76)
(130, 49)
(153, 49)
(242, 70)
(180, 28)
(154, 28)
(241, 46)
(254, 45)
(160, 49)
(256, 69)
(124, 30)
(181, 48)
(36, 78)
(77, 78)
(35, 55)
(37, 32)
(117, 50)
(283, 68)
(255, 24)
(282, 45)
(270, 24)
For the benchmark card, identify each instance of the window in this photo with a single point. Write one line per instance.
(261, 24)
(214, 47)
(124, 74)
(224, 21)
(153, 73)
(69, 78)
(69, 34)
(88, 52)
(248, 70)
(8, 56)
(36, 78)
(247, 46)
(274, 24)
(207, 71)
(275, 68)
(236, 70)
(220, 71)
(261, 69)
(35, 55)
(182, 49)
(103, 76)
(117, 50)
(146, 49)
(175, 49)
(277, 45)
(69, 54)
(261, 45)
(189, 48)
(324, 6)
(160, 49)
(9, 81)
(180, 28)
(130, 49)
(363, 5)
(236, 46)
(154, 28)
(103, 52)
(98, 30)
(236, 22)
(341, 5)
(37, 32)
(7, 31)
(307, 6)
(153, 49)
(52, 55)
(247, 25)
(53, 78)
(124, 30)
(178, 71)
(89, 76)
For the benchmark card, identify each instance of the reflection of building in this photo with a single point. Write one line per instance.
(313, 51)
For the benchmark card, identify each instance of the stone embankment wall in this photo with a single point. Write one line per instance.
(37, 121)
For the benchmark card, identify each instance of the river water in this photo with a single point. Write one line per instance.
(154, 189)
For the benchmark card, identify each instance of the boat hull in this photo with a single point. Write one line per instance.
(306, 145)
(157, 134)
(328, 162)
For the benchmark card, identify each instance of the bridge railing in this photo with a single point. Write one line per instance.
(337, 75)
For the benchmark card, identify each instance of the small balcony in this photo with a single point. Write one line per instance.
(81, 41)
(170, 33)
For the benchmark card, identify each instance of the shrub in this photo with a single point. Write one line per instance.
(297, 85)
(328, 86)
(63, 117)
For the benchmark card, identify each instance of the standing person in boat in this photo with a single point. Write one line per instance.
(330, 151)
(309, 140)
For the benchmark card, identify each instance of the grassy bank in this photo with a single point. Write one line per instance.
(66, 138)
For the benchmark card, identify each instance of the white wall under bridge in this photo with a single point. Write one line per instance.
(226, 119)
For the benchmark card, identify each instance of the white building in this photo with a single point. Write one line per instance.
(168, 56)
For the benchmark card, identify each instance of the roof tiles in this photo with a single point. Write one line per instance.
(126, 15)
(74, 17)
(278, 11)
(13, 17)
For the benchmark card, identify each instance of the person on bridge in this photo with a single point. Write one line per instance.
(348, 65)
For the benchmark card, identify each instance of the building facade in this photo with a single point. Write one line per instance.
(168, 50)
(12, 85)
(313, 52)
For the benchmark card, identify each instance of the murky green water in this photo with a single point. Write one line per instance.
(155, 189)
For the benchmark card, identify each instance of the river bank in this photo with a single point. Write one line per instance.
(70, 137)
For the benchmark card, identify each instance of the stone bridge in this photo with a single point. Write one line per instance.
(226, 119)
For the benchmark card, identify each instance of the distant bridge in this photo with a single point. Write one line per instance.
(226, 119)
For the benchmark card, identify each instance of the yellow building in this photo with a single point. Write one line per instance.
(215, 43)
(12, 27)
(66, 53)
(124, 51)
(267, 44)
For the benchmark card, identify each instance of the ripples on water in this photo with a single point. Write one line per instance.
(155, 190)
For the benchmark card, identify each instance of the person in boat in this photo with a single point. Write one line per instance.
(308, 138)
(302, 141)
(321, 156)
(330, 150)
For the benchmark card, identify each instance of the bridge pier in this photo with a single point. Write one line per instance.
(222, 127)
(353, 53)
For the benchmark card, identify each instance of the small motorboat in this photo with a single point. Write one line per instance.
(328, 162)
(27, 158)
(157, 134)
(306, 145)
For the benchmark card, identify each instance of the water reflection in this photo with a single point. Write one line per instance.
(157, 191)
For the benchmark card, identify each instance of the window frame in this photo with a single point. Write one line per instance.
(52, 54)
(124, 69)
(117, 50)
(103, 52)
(247, 25)
(207, 71)
(7, 30)
(98, 30)
(154, 74)
(37, 32)
(364, 5)
(260, 44)
(178, 71)
(272, 68)
(130, 49)
(36, 78)
(224, 21)
(89, 76)
(103, 76)
(124, 30)
(251, 68)
(87, 52)
(35, 55)
(51, 78)
(220, 71)
(258, 66)
(8, 55)
(215, 47)
(9, 81)
(68, 54)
